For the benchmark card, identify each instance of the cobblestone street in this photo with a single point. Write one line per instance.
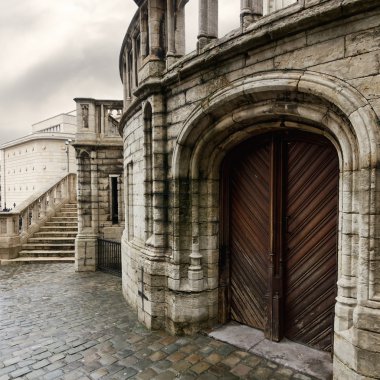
(58, 324)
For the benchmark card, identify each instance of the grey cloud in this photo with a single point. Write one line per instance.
(91, 70)
(84, 65)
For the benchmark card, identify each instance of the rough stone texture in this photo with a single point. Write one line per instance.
(99, 158)
(59, 324)
(313, 66)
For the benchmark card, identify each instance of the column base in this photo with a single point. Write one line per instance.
(357, 350)
(86, 247)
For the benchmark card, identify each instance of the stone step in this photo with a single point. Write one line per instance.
(55, 241)
(53, 228)
(50, 238)
(61, 223)
(66, 218)
(33, 260)
(48, 247)
(46, 253)
(56, 233)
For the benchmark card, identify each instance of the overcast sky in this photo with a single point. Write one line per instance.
(54, 51)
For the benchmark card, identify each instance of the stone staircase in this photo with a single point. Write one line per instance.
(55, 241)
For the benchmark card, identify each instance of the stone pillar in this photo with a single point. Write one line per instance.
(43, 207)
(203, 15)
(128, 75)
(86, 240)
(357, 350)
(257, 9)
(94, 192)
(175, 31)
(180, 43)
(85, 252)
(203, 23)
(213, 19)
(134, 83)
(208, 22)
(10, 244)
(170, 27)
(155, 17)
(250, 11)
(195, 272)
(159, 173)
(35, 213)
(144, 32)
(125, 80)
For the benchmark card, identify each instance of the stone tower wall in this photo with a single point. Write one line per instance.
(312, 66)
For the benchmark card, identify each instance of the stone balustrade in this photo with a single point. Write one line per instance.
(17, 225)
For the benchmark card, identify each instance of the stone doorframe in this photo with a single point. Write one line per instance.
(302, 100)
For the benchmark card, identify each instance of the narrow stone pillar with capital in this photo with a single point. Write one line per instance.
(208, 22)
(250, 11)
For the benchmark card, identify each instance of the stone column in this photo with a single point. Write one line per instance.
(170, 27)
(195, 272)
(43, 207)
(134, 83)
(159, 173)
(245, 13)
(250, 11)
(128, 76)
(86, 240)
(144, 32)
(213, 19)
(155, 13)
(208, 22)
(257, 9)
(35, 213)
(203, 23)
(125, 80)
(180, 43)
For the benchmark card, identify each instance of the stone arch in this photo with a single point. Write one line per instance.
(296, 100)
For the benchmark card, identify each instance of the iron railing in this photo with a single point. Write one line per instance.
(109, 256)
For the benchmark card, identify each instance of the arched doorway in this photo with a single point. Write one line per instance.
(279, 236)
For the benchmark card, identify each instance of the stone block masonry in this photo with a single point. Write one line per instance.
(310, 68)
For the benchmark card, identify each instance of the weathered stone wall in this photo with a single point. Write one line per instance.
(313, 66)
(99, 151)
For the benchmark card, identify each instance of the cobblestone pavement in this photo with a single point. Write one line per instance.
(58, 324)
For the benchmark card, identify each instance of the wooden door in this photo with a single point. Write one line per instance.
(249, 189)
(280, 222)
(310, 262)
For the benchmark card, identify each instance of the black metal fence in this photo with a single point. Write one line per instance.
(109, 256)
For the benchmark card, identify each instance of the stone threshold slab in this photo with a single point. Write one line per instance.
(290, 354)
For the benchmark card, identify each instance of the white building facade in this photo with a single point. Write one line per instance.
(34, 161)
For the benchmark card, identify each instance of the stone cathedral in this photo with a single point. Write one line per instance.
(245, 185)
